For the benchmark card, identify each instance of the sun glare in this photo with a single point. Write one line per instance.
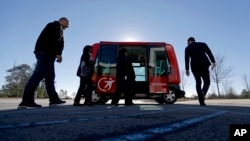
(130, 39)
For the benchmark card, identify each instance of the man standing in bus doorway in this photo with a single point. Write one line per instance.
(125, 79)
(48, 49)
(197, 54)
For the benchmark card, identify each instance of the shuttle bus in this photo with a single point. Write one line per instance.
(155, 65)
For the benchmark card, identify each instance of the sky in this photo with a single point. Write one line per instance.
(223, 24)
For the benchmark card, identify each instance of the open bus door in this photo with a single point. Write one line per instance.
(158, 69)
(151, 77)
(106, 69)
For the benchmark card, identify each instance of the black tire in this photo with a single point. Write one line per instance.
(95, 97)
(99, 99)
(160, 100)
(170, 98)
(104, 99)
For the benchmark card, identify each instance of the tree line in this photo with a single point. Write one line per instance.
(18, 76)
(16, 79)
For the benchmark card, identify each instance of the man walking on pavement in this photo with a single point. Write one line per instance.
(48, 49)
(200, 57)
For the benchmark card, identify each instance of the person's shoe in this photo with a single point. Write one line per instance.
(89, 103)
(24, 105)
(55, 103)
(129, 104)
(114, 104)
(77, 104)
(203, 104)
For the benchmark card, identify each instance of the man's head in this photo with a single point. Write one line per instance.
(88, 49)
(123, 52)
(64, 22)
(190, 40)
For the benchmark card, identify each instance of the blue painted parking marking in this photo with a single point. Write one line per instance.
(168, 128)
(42, 123)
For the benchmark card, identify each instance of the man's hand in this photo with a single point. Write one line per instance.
(187, 72)
(213, 66)
(58, 58)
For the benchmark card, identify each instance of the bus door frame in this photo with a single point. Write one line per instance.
(158, 84)
(106, 82)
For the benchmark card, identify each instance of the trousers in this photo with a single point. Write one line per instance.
(126, 87)
(199, 75)
(44, 69)
(85, 88)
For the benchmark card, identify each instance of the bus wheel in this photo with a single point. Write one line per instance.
(170, 98)
(160, 100)
(95, 97)
(104, 99)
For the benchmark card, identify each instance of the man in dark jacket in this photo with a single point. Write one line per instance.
(198, 53)
(48, 49)
(125, 79)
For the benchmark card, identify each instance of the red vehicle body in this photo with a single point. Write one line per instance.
(155, 65)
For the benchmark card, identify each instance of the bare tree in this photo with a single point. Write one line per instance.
(73, 94)
(246, 81)
(221, 73)
(63, 94)
(229, 91)
(226, 87)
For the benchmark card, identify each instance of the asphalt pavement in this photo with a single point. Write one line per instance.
(146, 120)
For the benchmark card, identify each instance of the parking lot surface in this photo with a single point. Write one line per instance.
(146, 120)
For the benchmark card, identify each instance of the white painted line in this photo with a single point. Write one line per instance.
(153, 132)
(42, 123)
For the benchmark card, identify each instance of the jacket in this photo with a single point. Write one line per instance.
(50, 40)
(198, 54)
(87, 59)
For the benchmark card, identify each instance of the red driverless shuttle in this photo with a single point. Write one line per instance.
(155, 65)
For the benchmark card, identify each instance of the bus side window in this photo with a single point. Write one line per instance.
(107, 60)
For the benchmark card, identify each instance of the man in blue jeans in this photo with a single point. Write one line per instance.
(200, 57)
(48, 49)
